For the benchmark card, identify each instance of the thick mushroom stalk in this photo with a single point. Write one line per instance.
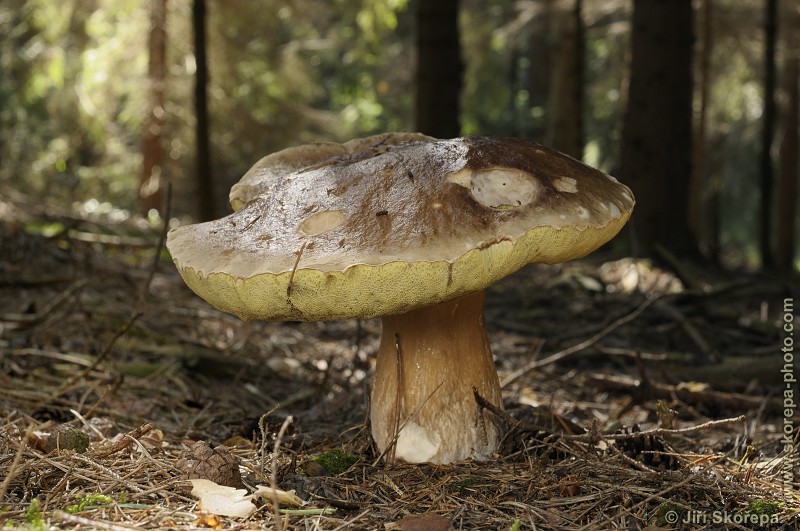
(423, 406)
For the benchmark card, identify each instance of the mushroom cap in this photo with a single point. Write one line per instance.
(389, 223)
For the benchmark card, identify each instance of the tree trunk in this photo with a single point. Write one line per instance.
(439, 68)
(566, 94)
(700, 190)
(657, 127)
(789, 167)
(767, 135)
(205, 186)
(151, 187)
(532, 68)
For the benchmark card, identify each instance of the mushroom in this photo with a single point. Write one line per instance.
(413, 230)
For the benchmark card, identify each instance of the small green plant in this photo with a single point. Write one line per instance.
(764, 507)
(515, 526)
(89, 501)
(33, 515)
(335, 461)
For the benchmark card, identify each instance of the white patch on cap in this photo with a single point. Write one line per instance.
(615, 211)
(416, 444)
(321, 222)
(583, 213)
(568, 185)
(498, 188)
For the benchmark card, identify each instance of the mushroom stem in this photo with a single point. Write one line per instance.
(437, 354)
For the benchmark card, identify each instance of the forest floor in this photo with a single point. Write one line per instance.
(111, 371)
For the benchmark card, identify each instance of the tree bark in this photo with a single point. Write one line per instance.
(768, 135)
(657, 127)
(789, 171)
(532, 68)
(700, 189)
(205, 185)
(566, 94)
(151, 189)
(439, 69)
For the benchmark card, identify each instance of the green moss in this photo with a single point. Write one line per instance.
(764, 507)
(68, 438)
(335, 461)
(89, 501)
(467, 484)
(33, 515)
(668, 514)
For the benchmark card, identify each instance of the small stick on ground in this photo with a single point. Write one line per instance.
(32, 319)
(273, 477)
(661, 431)
(580, 346)
(11, 472)
(124, 441)
(691, 330)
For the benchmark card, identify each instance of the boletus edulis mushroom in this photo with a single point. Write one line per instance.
(412, 230)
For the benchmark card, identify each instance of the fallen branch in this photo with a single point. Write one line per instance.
(30, 319)
(586, 437)
(710, 398)
(694, 334)
(560, 355)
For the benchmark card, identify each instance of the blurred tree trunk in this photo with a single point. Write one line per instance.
(533, 66)
(701, 191)
(439, 68)
(789, 165)
(151, 193)
(768, 135)
(205, 186)
(566, 100)
(657, 127)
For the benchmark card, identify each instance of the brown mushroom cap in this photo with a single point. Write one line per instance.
(381, 225)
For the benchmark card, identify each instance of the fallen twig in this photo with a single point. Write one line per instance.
(33, 318)
(585, 437)
(273, 477)
(691, 330)
(124, 441)
(710, 398)
(580, 346)
(10, 474)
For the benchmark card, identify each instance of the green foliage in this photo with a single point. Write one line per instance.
(764, 507)
(74, 85)
(89, 501)
(335, 461)
(33, 516)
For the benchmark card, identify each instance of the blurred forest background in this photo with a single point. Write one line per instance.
(694, 104)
